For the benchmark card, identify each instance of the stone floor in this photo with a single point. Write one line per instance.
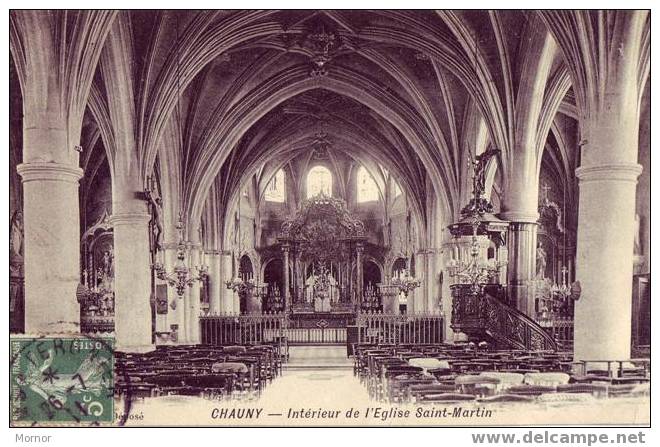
(318, 388)
(319, 356)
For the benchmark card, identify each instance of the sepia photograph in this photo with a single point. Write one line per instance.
(329, 218)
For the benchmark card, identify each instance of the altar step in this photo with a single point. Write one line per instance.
(318, 357)
(318, 367)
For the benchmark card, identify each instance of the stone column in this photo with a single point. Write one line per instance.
(51, 246)
(193, 302)
(298, 277)
(521, 267)
(175, 316)
(607, 178)
(358, 272)
(604, 261)
(427, 278)
(410, 303)
(227, 301)
(287, 297)
(445, 291)
(433, 279)
(132, 280)
(390, 299)
(215, 283)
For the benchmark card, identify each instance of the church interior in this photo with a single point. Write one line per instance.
(444, 206)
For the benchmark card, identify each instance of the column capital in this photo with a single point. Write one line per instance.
(520, 216)
(193, 245)
(130, 218)
(622, 172)
(57, 172)
(171, 245)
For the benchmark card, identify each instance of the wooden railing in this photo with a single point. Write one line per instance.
(561, 330)
(483, 315)
(314, 336)
(272, 328)
(380, 328)
(242, 329)
(265, 328)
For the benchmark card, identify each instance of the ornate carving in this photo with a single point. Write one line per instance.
(322, 46)
(478, 204)
(320, 227)
(156, 211)
(484, 315)
(320, 145)
(16, 245)
(16, 273)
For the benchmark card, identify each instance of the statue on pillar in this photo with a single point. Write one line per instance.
(638, 236)
(156, 211)
(16, 244)
(541, 261)
(16, 277)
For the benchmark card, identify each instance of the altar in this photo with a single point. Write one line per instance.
(322, 247)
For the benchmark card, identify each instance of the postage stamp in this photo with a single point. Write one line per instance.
(61, 380)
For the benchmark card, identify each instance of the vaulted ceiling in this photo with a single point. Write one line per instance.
(211, 98)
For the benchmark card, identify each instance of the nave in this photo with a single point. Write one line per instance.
(320, 386)
(229, 195)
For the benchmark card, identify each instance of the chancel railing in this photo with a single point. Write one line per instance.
(242, 329)
(561, 330)
(483, 316)
(383, 328)
(252, 329)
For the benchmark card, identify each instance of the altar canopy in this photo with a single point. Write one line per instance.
(322, 246)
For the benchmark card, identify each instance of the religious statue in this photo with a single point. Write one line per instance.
(16, 244)
(156, 223)
(108, 270)
(321, 289)
(480, 164)
(541, 261)
(478, 204)
(637, 244)
(16, 272)
(309, 288)
(237, 228)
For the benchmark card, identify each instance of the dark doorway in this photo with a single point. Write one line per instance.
(371, 275)
(275, 284)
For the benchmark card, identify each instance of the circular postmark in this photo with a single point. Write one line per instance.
(65, 380)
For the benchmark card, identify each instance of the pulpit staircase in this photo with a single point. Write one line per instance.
(484, 317)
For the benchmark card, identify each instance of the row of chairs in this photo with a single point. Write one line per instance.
(460, 372)
(218, 372)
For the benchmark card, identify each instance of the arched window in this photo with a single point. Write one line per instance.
(275, 191)
(367, 190)
(319, 179)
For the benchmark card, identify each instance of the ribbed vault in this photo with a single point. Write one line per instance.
(217, 96)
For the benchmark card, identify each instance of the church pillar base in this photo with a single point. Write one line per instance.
(132, 281)
(51, 246)
(226, 295)
(193, 299)
(521, 265)
(604, 263)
